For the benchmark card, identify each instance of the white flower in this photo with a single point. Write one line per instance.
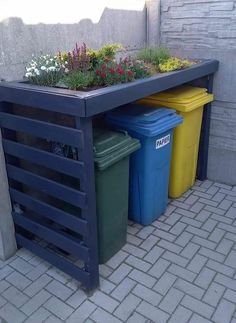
(37, 71)
(66, 70)
(43, 68)
(52, 68)
(28, 74)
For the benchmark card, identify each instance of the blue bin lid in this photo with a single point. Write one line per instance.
(147, 120)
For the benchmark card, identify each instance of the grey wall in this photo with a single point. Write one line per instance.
(18, 41)
(7, 240)
(207, 29)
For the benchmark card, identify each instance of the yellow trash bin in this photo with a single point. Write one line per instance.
(188, 101)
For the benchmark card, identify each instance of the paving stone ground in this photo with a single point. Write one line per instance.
(180, 269)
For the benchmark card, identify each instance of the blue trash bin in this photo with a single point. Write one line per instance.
(150, 165)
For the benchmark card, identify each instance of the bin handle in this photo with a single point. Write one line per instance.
(117, 130)
(122, 131)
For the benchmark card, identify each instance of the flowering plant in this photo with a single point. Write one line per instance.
(104, 54)
(45, 70)
(174, 64)
(84, 68)
(112, 73)
(109, 73)
(76, 60)
(139, 67)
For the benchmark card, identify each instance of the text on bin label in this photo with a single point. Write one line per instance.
(162, 142)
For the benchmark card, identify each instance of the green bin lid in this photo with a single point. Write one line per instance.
(110, 147)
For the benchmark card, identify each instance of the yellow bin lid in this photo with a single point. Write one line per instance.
(183, 98)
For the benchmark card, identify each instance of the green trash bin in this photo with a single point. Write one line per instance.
(111, 157)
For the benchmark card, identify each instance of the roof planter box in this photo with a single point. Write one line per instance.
(90, 103)
(37, 216)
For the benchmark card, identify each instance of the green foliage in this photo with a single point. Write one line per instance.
(154, 56)
(109, 51)
(83, 68)
(79, 80)
(104, 54)
(174, 64)
(140, 69)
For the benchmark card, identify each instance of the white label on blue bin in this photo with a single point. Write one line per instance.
(162, 142)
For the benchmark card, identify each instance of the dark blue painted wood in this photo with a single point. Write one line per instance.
(51, 99)
(40, 157)
(205, 134)
(57, 238)
(105, 99)
(54, 259)
(26, 224)
(89, 213)
(48, 186)
(6, 133)
(76, 104)
(50, 212)
(42, 129)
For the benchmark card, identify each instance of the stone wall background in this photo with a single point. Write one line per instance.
(18, 41)
(207, 29)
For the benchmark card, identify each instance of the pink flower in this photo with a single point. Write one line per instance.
(130, 73)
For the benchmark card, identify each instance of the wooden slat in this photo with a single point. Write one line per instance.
(50, 99)
(47, 186)
(41, 129)
(60, 240)
(54, 259)
(89, 187)
(205, 134)
(44, 158)
(50, 212)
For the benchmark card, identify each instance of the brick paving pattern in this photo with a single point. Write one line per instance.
(180, 269)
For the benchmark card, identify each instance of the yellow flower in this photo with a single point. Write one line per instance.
(174, 64)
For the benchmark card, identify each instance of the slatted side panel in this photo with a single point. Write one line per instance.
(52, 194)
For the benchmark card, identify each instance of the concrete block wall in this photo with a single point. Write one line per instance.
(207, 29)
(7, 240)
(19, 40)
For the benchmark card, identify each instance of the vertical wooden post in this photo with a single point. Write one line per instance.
(205, 134)
(88, 185)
